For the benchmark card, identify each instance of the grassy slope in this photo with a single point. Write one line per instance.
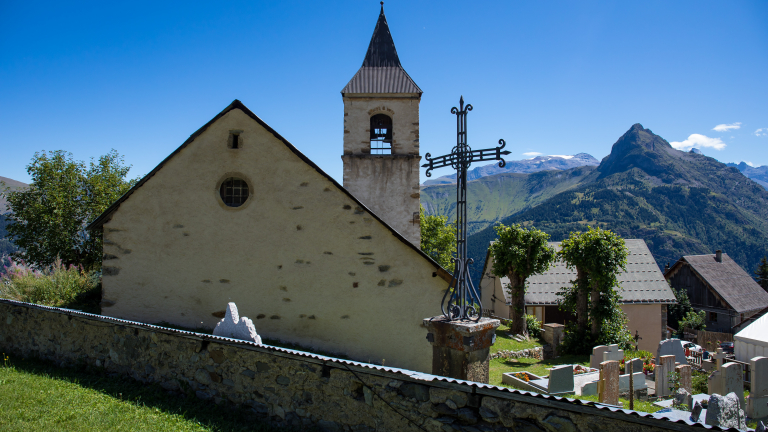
(495, 197)
(35, 395)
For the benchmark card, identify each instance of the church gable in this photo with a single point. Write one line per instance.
(301, 256)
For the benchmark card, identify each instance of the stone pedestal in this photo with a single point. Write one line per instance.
(460, 349)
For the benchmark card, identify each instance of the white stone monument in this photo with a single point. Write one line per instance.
(597, 356)
(729, 379)
(236, 327)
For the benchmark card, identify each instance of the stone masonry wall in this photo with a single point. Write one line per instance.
(293, 388)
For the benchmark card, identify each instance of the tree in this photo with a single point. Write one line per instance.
(49, 218)
(519, 253)
(676, 312)
(597, 255)
(438, 238)
(761, 274)
(693, 320)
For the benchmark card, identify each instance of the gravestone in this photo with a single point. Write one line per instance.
(724, 411)
(685, 379)
(637, 365)
(597, 356)
(561, 379)
(757, 401)
(760, 427)
(608, 386)
(696, 411)
(719, 358)
(613, 353)
(672, 347)
(236, 327)
(661, 372)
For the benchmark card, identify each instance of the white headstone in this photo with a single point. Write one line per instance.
(719, 357)
(613, 353)
(236, 327)
(597, 356)
(757, 401)
(733, 376)
(672, 347)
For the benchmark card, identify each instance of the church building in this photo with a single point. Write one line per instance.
(238, 214)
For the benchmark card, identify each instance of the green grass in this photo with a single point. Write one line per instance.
(35, 395)
(504, 341)
(537, 367)
(644, 406)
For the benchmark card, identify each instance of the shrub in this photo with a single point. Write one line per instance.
(699, 382)
(533, 325)
(57, 285)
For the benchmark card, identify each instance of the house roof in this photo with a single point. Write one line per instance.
(726, 278)
(642, 282)
(99, 222)
(381, 71)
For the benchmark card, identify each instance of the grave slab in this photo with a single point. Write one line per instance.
(561, 379)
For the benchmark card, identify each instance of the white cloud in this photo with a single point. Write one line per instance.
(699, 141)
(726, 127)
(562, 156)
(750, 164)
(761, 132)
(534, 154)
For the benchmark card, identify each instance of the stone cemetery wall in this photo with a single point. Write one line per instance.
(293, 388)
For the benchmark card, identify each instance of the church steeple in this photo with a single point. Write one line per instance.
(381, 71)
(381, 51)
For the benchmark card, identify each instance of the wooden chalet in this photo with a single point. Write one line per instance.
(720, 287)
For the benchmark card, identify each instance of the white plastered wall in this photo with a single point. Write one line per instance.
(299, 257)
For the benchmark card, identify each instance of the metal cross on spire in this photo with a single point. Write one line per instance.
(461, 293)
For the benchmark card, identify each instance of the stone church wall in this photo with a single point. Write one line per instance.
(292, 388)
(301, 257)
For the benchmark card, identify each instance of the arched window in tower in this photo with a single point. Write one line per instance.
(381, 134)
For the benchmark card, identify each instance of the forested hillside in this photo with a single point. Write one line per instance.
(680, 203)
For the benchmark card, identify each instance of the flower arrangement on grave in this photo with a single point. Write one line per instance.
(648, 368)
(579, 369)
(523, 376)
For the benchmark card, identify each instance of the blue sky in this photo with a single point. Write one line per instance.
(548, 77)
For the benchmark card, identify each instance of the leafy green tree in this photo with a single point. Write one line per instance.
(438, 238)
(598, 256)
(677, 312)
(519, 253)
(693, 320)
(761, 274)
(49, 218)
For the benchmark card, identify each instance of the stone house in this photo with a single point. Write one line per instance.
(720, 287)
(644, 294)
(238, 214)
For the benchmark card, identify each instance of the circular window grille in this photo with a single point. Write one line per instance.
(234, 192)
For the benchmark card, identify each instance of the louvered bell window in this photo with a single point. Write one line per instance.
(381, 134)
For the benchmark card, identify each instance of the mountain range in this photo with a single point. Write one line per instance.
(680, 203)
(535, 164)
(758, 174)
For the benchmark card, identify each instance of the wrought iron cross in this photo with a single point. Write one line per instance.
(461, 293)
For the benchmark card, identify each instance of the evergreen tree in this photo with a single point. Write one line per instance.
(761, 274)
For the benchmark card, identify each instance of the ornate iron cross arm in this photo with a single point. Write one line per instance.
(463, 299)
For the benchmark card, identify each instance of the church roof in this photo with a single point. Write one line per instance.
(381, 71)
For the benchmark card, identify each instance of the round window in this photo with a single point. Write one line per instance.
(234, 192)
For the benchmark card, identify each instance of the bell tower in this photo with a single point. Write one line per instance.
(381, 135)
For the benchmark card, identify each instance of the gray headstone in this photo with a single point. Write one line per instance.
(637, 365)
(760, 427)
(696, 411)
(759, 377)
(597, 356)
(682, 397)
(672, 347)
(589, 388)
(724, 411)
(236, 327)
(733, 377)
(639, 381)
(561, 379)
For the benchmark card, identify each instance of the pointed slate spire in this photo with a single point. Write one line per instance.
(381, 50)
(381, 71)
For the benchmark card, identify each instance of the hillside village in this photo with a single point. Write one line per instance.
(338, 306)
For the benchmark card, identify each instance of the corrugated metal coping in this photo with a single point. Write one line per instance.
(396, 373)
(641, 283)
